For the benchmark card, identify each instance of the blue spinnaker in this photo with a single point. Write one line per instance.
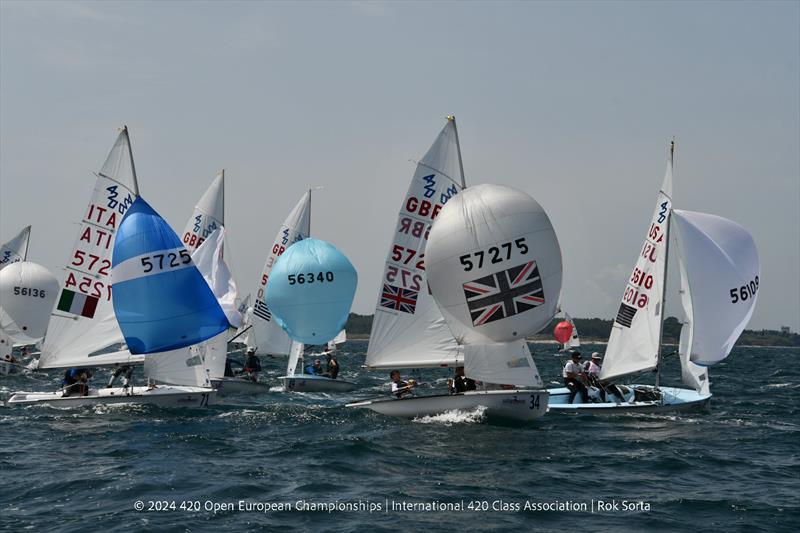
(310, 291)
(161, 300)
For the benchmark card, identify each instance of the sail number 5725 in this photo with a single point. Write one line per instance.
(745, 292)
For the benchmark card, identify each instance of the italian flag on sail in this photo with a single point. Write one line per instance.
(77, 303)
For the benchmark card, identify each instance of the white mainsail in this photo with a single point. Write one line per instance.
(634, 342)
(341, 338)
(408, 330)
(210, 261)
(720, 275)
(16, 249)
(194, 365)
(295, 354)
(208, 215)
(509, 363)
(265, 335)
(574, 341)
(83, 329)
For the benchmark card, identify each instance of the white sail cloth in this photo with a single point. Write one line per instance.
(83, 329)
(295, 354)
(209, 260)
(720, 276)
(494, 265)
(16, 249)
(574, 341)
(507, 363)
(408, 330)
(264, 334)
(208, 215)
(634, 341)
(27, 294)
(195, 365)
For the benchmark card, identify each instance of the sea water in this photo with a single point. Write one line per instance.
(306, 462)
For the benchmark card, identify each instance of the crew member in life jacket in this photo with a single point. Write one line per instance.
(460, 382)
(593, 376)
(573, 378)
(401, 388)
(315, 368)
(333, 365)
(76, 381)
(252, 365)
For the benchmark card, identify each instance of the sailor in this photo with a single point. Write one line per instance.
(593, 375)
(121, 370)
(332, 369)
(76, 381)
(252, 366)
(573, 378)
(460, 382)
(318, 367)
(399, 387)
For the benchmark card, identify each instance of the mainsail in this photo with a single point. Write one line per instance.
(408, 329)
(208, 215)
(210, 261)
(16, 249)
(265, 335)
(83, 329)
(635, 335)
(574, 341)
(719, 276)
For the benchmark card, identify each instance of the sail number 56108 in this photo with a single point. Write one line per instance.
(495, 254)
(745, 292)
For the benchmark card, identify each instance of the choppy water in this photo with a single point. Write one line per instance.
(735, 468)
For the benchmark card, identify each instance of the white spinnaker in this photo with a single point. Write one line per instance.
(507, 363)
(494, 265)
(6, 346)
(408, 330)
(574, 341)
(16, 249)
(208, 215)
(295, 353)
(634, 341)
(210, 261)
(265, 335)
(720, 263)
(693, 375)
(194, 366)
(74, 338)
(27, 294)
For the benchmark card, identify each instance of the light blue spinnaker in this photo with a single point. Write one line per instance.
(161, 300)
(310, 291)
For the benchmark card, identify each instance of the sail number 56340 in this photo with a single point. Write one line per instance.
(311, 277)
(495, 254)
(745, 292)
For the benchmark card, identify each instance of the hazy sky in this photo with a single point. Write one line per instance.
(572, 102)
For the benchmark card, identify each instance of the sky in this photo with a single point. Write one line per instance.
(572, 102)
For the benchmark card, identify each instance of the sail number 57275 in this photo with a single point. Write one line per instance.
(495, 254)
(745, 292)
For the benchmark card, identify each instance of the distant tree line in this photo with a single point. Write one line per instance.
(598, 329)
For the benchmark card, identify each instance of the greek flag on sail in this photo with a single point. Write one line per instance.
(161, 300)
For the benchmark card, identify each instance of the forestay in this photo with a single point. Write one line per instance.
(16, 249)
(720, 271)
(83, 329)
(208, 215)
(634, 341)
(210, 261)
(161, 300)
(27, 294)
(507, 363)
(408, 331)
(494, 265)
(265, 335)
(311, 290)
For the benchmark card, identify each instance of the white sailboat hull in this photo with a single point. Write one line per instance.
(236, 385)
(518, 404)
(162, 395)
(312, 383)
(673, 399)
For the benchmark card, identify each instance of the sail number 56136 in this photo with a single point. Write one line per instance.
(745, 292)
(495, 254)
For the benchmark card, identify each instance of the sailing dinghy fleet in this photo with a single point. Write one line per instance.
(471, 272)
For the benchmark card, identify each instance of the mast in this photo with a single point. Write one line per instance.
(133, 166)
(666, 269)
(452, 118)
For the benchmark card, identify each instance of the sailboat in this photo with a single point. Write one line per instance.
(410, 331)
(311, 291)
(719, 272)
(83, 330)
(27, 294)
(566, 333)
(16, 249)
